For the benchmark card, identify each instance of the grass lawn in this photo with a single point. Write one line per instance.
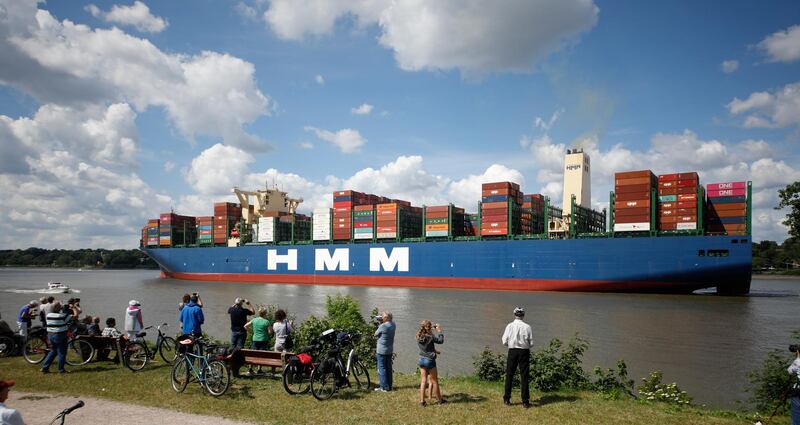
(264, 400)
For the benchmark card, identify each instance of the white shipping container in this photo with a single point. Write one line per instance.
(632, 227)
(266, 229)
(362, 236)
(321, 211)
(687, 226)
(387, 235)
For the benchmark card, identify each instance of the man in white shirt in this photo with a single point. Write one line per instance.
(8, 416)
(518, 337)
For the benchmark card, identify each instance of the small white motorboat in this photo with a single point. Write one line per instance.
(56, 288)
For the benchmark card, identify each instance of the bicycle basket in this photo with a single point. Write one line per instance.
(304, 359)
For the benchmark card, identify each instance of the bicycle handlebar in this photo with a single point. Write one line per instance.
(77, 405)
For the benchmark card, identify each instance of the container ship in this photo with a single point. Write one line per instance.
(660, 234)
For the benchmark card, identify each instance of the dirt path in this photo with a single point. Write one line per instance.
(42, 408)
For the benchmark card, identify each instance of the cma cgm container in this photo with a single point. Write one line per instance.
(678, 202)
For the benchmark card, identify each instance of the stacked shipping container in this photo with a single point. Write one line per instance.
(343, 203)
(205, 230)
(151, 230)
(633, 192)
(321, 230)
(727, 208)
(500, 202)
(444, 221)
(363, 221)
(226, 215)
(176, 229)
(398, 219)
(532, 217)
(677, 201)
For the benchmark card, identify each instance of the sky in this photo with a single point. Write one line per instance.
(114, 112)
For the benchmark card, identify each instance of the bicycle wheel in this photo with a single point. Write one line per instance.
(218, 378)
(167, 350)
(361, 376)
(79, 352)
(6, 346)
(35, 350)
(295, 380)
(323, 384)
(180, 375)
(136, 356)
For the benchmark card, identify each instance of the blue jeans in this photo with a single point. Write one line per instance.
(237, 339)
(795, 410)
(58, 345)
(385, 371)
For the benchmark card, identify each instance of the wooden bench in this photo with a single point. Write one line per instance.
(102, 343)
(270, 359)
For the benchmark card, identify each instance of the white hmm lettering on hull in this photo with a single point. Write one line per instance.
(397, 260)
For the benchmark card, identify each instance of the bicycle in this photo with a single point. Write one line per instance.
(137, 353)
(66, 412)
(79, 352)
(332, 374)
(296, 375)
(211, 371)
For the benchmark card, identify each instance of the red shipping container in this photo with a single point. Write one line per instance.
(668, 191)
(363, 224)
(633, 219)
(687, 190)
(634, 174)
(364, 208)
(687, 197)
(692, 175)
(726, 192)
(687, 204)
(667, 213)
(638, 203)
(493, 232)
(667, 205)
(668, 226)
(633, 181)
(687, 211)
(728, 213)
(723, 207)
(668, 177)
(669, 219)
(724, 186)
(632, 211)
(500, 185)
(640, 188)
(687, 183)
(633, 196)
(687, 218)
(667, 184)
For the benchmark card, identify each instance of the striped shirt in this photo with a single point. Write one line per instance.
(57, 322)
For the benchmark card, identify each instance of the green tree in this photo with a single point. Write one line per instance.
(790, 198)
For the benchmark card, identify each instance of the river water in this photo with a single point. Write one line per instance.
(703, 342)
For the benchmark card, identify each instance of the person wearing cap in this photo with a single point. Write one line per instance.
(239, 311)
(518, 337)
(8, 416)
(24, 318)
(133, 319)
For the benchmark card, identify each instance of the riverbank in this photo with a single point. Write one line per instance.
(263, 400)
(777, 276)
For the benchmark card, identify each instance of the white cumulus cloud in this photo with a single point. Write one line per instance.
(778, 109)
(347, 140)
(473, 36)
(217, 169)
(782, 46)
(136, 15)
(363, 109)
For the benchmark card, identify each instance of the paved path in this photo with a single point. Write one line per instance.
(42, 408)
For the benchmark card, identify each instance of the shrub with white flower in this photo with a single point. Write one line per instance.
(652, 389)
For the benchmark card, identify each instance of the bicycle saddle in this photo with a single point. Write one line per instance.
(141, 334)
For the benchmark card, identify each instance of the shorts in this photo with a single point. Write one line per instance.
(261, 345)
(426, 363)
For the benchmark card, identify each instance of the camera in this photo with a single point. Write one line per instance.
(379, 319)
(794, 348)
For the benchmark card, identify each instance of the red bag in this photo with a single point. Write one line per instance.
(304, 358)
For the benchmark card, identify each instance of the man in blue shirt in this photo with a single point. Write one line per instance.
(24, 318)
(192, 318)
(385, 348)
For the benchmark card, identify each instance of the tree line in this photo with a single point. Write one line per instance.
(97, 258)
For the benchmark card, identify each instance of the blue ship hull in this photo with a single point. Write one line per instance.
(679, 264)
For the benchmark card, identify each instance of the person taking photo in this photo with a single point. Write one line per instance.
(384, 350)
(239, 311)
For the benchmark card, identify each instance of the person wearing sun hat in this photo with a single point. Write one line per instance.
(518, 337)
(8, 416)
(133, 319)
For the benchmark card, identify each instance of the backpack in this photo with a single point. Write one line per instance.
(288, 343)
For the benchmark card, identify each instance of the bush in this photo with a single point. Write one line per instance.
(489, 366)
(652, 389)
(559, 367)
(769, 382)
(613, 384)
(343, 314)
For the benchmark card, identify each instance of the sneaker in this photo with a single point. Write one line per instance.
(507, 402)
(380, 390)
(423, 404)
(45, 371)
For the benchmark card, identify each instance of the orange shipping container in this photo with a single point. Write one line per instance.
(433, 227)
(637, 203)
(633, 219)
(640, 188)
(634, 174)
(728, 213)
(633, 196)
(633, 181)
(671, 219)
(632, 211)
